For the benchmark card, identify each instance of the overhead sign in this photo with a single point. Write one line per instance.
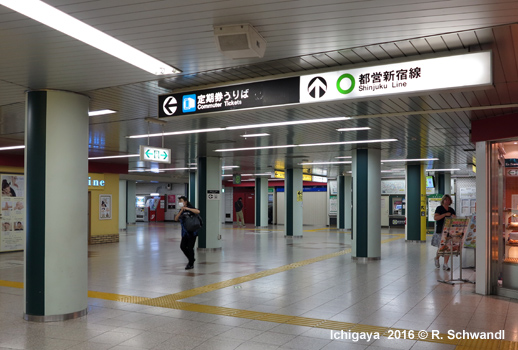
(237, 179)
(279, 174)
(282, 175)
(237, 97)
(155, 154)
(431, 74)
(465, 70)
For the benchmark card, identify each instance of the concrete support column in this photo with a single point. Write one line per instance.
(415, 229)
(261, 202)
(123, 204)
(366, 234)
(131, 194)
(209, 182)
(293, 187)
(192, 195)
(344, 202)
(56, 168)
(444, 183)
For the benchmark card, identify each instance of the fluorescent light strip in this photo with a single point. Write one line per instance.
(345, 162)
(253, 148)
(145, 170)
(409, 160)
(113, 157)
(344, 157)
(305, 145)
(11, 147)
(292, 122)
(296, 122)
(185, 132)
(174, 169)
(354, 129)
(393, 171)
(255, 135)
(227, 175)
(433, 170)
(101, 112)
(345, 142)
(230, 167)
(54, 18)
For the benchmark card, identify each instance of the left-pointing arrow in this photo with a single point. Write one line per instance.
(147, 153)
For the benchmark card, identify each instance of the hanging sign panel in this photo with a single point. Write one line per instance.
(155, 154)
(431, 74)
(227, 98)
(467, 70)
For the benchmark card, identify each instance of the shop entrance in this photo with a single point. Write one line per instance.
(504, 218)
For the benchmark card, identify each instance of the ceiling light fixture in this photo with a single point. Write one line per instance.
(54, 18)
(346, 142)
(305, 145)
(344, 157)
(433, 170)
(101, 112)
(310, 163)
(354, 129)
(185, 132)
(230, 167)
(255, 135)
(11, 147)
(253, 148)
(409, 160)
(251, 126)
(291, 122)
(175, 169)
(113, 157)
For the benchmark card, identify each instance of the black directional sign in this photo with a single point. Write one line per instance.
(261, 94)
(317, 87)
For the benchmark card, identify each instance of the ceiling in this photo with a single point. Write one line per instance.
(302, 36)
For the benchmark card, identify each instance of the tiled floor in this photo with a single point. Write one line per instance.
(399, 291)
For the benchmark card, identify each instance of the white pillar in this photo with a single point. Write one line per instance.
(209, 183)
(56, 166)
(293, 187)
(261, 202)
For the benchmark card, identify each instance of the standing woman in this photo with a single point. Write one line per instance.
(443, 211)
(188, 238)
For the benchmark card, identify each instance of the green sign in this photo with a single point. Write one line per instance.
(155, 154)
(237, 179)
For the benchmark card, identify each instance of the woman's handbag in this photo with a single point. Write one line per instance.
(192, 222)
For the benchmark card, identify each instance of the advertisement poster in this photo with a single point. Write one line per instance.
(12, 235)
(453, 234)
(433, 203)
(105, 207)
(171, 201)
(471, 234)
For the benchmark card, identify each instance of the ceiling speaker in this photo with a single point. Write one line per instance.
(239, 41)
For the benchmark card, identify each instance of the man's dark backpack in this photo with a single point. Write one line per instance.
(192, 222)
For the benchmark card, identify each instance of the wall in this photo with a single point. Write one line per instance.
(105, 231)
(145, 189)
(314, 208)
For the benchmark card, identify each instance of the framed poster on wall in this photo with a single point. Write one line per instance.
(105, 207)
(12, 234)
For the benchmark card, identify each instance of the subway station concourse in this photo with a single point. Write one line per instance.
(316, 138)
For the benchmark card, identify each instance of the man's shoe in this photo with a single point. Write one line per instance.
(437, 263)
(189, 266)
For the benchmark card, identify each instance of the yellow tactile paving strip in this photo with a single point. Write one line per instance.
(232, 282)
(172, 302)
